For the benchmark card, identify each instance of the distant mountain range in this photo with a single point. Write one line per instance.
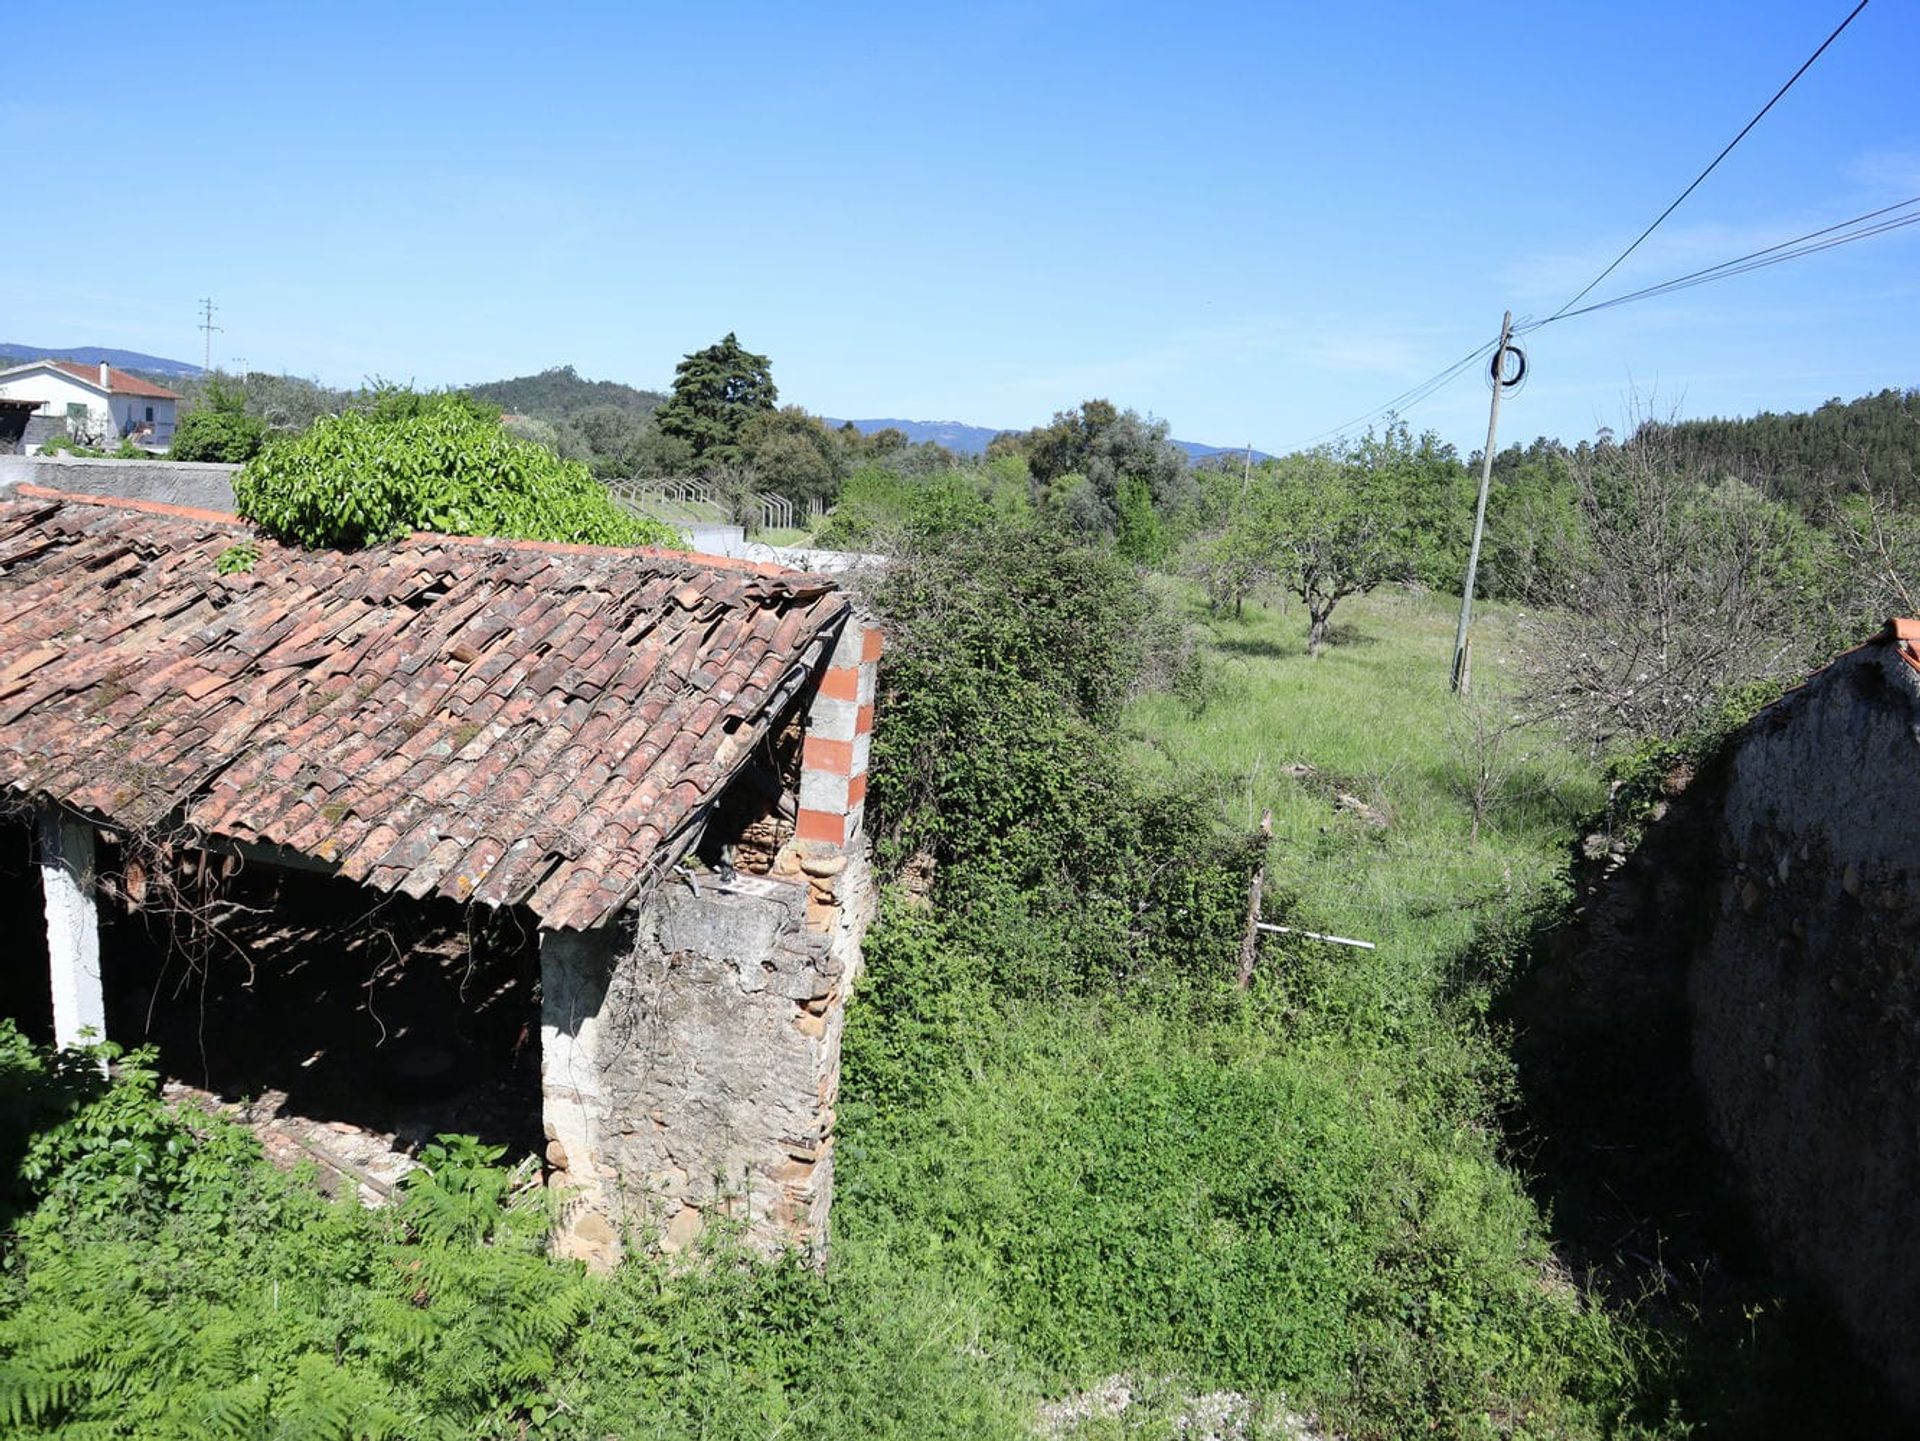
(12, 354)
(963, 439)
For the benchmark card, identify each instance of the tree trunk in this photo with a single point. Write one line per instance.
(1317, 627)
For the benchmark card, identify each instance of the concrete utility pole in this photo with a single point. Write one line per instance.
(1461, 678)
(207, 308)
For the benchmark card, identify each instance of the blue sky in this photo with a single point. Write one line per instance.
(1254, 221)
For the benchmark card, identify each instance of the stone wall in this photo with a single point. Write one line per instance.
(691, 1064)
(207, 485)
(1805, 992)
(690, 1057)
(1749, 975)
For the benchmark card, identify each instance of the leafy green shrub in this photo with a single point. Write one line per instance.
(999, 759)
(428, 463)
(1140, 534)
(60, 443)
(91, 1147)
(172, 1284)
(38, 1091)
(219, 435)
(883, 509)
(461, 1192)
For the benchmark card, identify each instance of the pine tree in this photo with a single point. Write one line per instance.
(716, 391)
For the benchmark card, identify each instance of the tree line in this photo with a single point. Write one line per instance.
(1660, 571)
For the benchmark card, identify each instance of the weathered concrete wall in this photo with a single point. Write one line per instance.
(40, 429)
(205, 484)
(691, 1068)
(714, 538)
(1806, 992)
(731, 541)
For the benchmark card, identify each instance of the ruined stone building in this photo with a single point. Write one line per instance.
(1771, 917)
(562, 841)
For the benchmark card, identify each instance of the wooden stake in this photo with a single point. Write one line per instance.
(1250, 939)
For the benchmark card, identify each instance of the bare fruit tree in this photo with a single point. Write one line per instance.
(1677, 586)
(1881, 542)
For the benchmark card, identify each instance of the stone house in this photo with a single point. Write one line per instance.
(310, 764)
(98, 403)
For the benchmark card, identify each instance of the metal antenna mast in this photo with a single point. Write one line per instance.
(207, 308)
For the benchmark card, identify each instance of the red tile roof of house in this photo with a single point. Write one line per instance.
(118, 381)
(501, 721)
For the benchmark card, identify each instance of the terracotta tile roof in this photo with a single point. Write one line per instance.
(1905, 636)
(491, 720)
(118, 381)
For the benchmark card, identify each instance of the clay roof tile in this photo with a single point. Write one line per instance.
(503, 721)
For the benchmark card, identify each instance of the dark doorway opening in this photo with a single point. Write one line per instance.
(309, 996)
(26, 986)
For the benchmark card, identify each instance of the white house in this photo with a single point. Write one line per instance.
(98, 402)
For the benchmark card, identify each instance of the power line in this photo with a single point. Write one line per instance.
(1888, 218)
(1406, 399)
(1828, 237)
(1805, 66)
(207, 308)
(1843, 232)
(1438, 381)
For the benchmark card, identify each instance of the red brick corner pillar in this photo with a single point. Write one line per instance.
(839, 736)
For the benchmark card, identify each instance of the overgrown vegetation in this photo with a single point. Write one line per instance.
(1069, 1146)
(1674, 589)
(427, 462)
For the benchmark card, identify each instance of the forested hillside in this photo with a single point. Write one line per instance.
(562, 392)
(1806, 458)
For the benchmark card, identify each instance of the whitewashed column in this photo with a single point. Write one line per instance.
(73, 929)
(575, 970)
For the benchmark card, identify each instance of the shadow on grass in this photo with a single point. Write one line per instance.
(1260, 648)
(1611, 1134)
(1349, 637)
(1294, 647)
(1537, 801)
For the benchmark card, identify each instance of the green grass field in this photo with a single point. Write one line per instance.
(1372, 716)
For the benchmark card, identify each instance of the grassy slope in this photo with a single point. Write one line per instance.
(1301, 1195)
(1736, 1352)
(1372, 716)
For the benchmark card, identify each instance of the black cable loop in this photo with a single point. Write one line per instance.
(1497, 368)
